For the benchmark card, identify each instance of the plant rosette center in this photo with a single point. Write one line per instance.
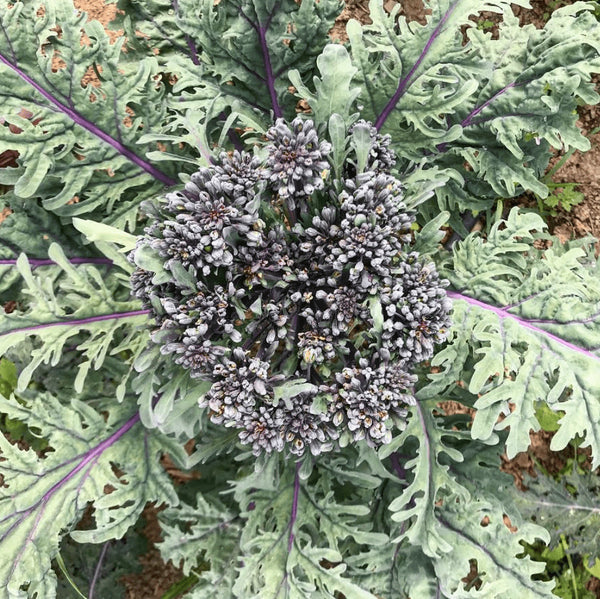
(295, 293)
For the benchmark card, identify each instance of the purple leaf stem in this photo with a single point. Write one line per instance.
(261, 31)
(469, 118)
(501, 117)
(396, 552)
(193, 49)
(80, 321)
(97, 570)
(188, 39)
(504, 314)
(89, 126)
(398, 469)
(294, 506)
(35, 262)
(405, 83)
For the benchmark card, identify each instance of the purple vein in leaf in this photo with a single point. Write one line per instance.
(80, 321)
(189, 41)
(405, 83)
(294, 514)
(88, 458)
(506, 115)
(522, 301)
(93, 454)
(469, 118)
(398, 469)
(34, 262)
(593, 318)
(504, 314)
(565, 506)
(261, 31)
(525, 581)
(83, 122)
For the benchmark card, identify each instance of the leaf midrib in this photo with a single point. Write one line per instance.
(80, 120)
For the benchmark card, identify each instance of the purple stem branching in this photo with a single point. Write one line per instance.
(294, 514)
(89, 126)
(235, 140)
(405, 83)
(79, 321)
(258, 331)
(503, 314)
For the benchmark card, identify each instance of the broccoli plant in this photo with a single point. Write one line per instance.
(222, 243)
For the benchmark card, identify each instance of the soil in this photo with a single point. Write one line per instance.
(156, 577)
(585, 170)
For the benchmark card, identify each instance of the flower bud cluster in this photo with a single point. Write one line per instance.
(366, 398)
(296, 160)
(295, 294)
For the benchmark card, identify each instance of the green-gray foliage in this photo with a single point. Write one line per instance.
(101, 126)
(45, 495)
(565, 507)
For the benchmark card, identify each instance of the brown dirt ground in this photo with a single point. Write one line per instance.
(585, 170)
(156, 577)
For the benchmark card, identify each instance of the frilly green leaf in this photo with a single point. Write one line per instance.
(528, 320)
(44, 496)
